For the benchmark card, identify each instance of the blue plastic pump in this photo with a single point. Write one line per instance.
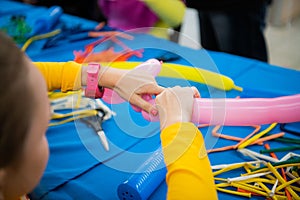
(44, 23)
(147, 178)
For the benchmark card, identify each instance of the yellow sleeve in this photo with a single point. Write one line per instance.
(61, 75)
(189, 173)
(170, 12)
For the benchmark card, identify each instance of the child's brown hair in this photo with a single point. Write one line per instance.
(16, 102)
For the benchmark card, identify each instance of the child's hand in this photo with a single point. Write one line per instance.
(176, 105)
(133, 84)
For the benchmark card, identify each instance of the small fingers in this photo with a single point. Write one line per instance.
(196, 92)
(143, 104)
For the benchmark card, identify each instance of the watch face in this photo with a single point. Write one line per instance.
(93, 68)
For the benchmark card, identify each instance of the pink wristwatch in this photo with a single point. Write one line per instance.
(93, 90)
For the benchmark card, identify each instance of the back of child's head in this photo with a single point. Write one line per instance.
(16, 104)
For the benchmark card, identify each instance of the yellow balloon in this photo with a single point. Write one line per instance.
(171, 70)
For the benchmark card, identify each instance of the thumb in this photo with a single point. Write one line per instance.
(155, 90)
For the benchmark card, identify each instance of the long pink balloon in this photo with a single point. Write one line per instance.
(243, 112)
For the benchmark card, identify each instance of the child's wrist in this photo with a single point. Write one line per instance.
(83, 75)
(109, 77)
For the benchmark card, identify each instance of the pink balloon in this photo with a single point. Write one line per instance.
(112, 97)
(243, 112)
